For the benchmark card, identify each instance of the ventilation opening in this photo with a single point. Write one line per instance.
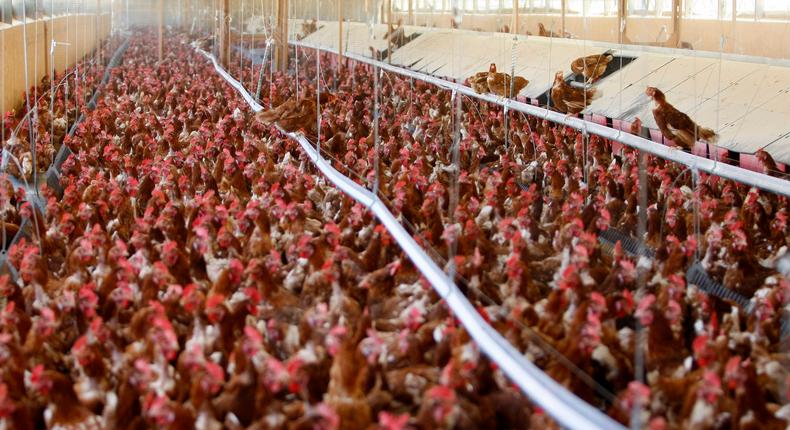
(617, 63)
(397, 44)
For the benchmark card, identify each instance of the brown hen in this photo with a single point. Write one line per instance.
(676, 125)
(568, 99)
(592, 66)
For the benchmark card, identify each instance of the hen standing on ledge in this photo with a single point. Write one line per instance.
(676, 125)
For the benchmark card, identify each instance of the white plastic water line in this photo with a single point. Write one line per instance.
(568, 410)
(694, 162)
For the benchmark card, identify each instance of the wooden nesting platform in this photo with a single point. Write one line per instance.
(357, 38)
(746, 102)
(459, 54)
(745, 99)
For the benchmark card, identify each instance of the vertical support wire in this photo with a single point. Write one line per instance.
(340, 53)
(215, 45)
(585, 134)
(635, 421)
(52, 87)
(639, 350)
(36, 81)
(318, 81)
(695, 185)
(241, 43)
(266, 57)
(455, 157)
(371, 19)
(511, 89)
(586, 160)
(694, 170)
(96, 57)
(252, 45)
(456, 102)
(376, 115)
(76, 70)
(269, 34)
(718, 93)
(32, 118)
(272, 24)
(66, 86)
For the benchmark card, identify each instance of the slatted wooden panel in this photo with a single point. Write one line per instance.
(460, 54)
(356, 36)
(747, 103)
(746, 100)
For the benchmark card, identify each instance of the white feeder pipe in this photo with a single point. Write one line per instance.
(738, 174)
(568, 410)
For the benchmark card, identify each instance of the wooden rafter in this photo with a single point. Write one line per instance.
(224, 33)
(281, 36)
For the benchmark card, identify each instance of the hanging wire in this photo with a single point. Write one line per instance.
(371, 21)
(252, 45)
(456, 116)
(548, 64)
(641, 228)
(635, 419)
(456, 104)
(241, 43)
(318, 80)
(36, 81)
(340, 51)
(698, 100)
(722, 41)
(271, 68)
(215, 45)
(268, 31)
(267, 54)
(376, 137)
(53, 44)
(68, 51)
(77, 69)
(32, 118)
(348, 35)
(96, 55)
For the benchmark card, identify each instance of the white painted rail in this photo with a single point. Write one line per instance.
(747, 177)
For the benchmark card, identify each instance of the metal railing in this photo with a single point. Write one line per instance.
(693, 162)
(568, 410)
